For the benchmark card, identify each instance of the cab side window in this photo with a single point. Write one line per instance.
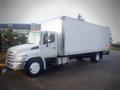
(48, 38)
(51, 37)
(45, 38)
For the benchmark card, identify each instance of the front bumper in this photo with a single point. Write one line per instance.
(15, 65)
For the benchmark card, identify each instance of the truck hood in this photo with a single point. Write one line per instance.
(23, 47)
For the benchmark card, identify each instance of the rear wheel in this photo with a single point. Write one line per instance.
(34, 67)
(95, 57)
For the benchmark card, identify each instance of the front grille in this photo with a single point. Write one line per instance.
(10, 56)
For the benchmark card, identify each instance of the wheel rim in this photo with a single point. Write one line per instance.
(35, 68)
(97, 57)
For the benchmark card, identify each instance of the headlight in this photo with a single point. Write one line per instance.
(21, 57)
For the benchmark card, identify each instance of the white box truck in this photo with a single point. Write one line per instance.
(58, 41)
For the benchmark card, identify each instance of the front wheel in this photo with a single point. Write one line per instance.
(95, 57)
(33, 67)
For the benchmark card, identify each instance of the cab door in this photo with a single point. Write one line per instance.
(49, 46)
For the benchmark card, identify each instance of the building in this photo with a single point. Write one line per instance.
(19, 28)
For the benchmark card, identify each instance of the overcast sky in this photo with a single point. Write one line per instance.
(102, 12)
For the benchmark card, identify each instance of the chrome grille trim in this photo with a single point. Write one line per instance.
(10, 55)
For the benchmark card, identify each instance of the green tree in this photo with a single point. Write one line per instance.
(20, 39)
(0, 40)
(8, 38)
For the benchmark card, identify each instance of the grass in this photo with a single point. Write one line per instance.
(115, 48)
(2, 60)
(2, 57)
(2, 65)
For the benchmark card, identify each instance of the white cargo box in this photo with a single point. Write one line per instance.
(76, 37)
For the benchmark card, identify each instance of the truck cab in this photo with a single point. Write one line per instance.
(40, 45)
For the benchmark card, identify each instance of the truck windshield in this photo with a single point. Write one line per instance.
(34, 38)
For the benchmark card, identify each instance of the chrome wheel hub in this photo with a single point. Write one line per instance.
(35, 68)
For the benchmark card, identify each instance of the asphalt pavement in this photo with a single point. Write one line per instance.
(77, 75)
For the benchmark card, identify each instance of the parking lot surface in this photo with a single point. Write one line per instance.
(77, 75)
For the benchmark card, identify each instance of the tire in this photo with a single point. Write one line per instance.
(34, 67)
(107, 52)
(101, 55)
(95, 57)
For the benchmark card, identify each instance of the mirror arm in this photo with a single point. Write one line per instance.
(47, 45)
